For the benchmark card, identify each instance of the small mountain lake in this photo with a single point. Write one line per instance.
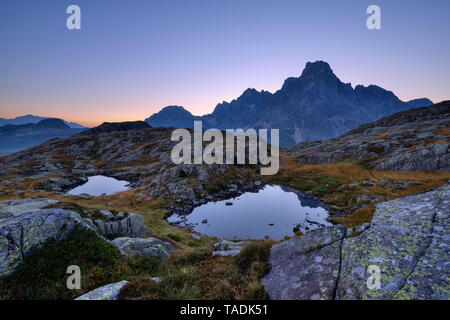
(272, 211)
(100, 185)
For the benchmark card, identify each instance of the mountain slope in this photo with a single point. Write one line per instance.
(34, 119)
(411, 140)
(14, 138)
(314, 106)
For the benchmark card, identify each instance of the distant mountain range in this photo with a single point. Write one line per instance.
(314, 106)
(35, 119)
(14, 138)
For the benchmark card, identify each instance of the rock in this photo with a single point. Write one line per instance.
(144, 247)
(108, 229)
(228, 248)
(100, 226)
(18, 207)
(107, 214)
(136, 226)
(123, 226)
(89, 223)
(205, 221)
(21, 234)
(190, 194)
(353, 232)
(4, 171)
(60, 184)
(156, 279)
(119, 216)
(196, 237)
(307, 267)
(229, 203)
(108, 292)
(409, 143)
(407, 239)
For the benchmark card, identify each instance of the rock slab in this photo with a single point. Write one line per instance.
(108, 292)
(151, 247)
(19, 235)
(408, 240)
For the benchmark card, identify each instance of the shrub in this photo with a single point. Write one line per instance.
(43, 275)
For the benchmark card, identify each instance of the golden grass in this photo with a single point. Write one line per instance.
(354, 172)
(333, 183)
(357, 217)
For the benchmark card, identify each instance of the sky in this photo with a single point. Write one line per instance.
(131, 58)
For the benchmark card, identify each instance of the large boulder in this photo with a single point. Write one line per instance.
(151, 247)
(306, 267)
(132, 226)
(136, 226)
(108, 292)
(21, 234)
(228, 248)
(18, 207)
(407, 241)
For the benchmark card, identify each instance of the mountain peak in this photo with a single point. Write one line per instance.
(107, 127)
(53, 123)
(316, 68)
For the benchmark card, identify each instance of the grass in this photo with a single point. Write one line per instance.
(356, 218)
(200, 275)
(340, 184)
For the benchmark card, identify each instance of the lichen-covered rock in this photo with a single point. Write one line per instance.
(18, 207)
(108, 292)
(107, 214)
(228, 248)
(408, 240)
(19, 235)
(136, 226)
(306, 267)
(132, 226)
(144, 247)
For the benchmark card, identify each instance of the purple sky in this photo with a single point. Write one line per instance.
(131, 58)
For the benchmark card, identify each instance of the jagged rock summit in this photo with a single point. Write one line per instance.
(315, 106)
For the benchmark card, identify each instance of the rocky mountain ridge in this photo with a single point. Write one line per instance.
(314, 106)
(14, 138)
(27, 119)
(416, 139)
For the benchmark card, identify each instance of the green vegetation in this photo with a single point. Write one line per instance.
(43, 275)
(199, 275)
